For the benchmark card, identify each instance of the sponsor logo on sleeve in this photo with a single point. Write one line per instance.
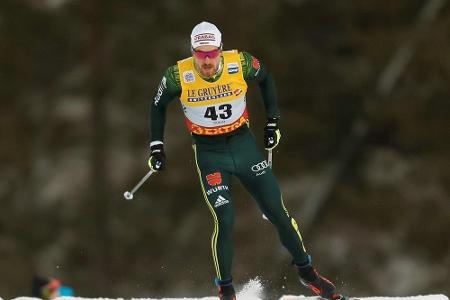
(188, 76)
(256, 65)
(214, 178)
(232, 68)
(162, 86)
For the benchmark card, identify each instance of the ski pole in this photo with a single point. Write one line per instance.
(129, 195)
(269, 158)
(269, 161)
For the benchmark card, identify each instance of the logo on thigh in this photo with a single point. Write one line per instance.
(214, 179)
(216, 189)
(221, 201)
(260, 168)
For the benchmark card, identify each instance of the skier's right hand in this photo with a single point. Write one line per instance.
(157, 159)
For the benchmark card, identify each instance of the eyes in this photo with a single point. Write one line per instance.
(204, 54)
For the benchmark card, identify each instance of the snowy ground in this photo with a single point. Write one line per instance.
(252, 297)
(427, 297)
(253, 290)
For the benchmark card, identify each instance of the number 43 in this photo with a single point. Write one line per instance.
(224, 112)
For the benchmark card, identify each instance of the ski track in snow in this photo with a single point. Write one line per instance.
(253, 290)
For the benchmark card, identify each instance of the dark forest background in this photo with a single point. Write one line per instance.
(364, 163)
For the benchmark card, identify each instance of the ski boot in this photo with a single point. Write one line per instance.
(226, 290)
(318, 284)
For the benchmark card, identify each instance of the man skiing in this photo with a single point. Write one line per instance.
(212, 87)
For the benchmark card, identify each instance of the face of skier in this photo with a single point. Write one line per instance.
(207, 59)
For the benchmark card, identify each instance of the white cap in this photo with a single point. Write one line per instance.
(206, 33)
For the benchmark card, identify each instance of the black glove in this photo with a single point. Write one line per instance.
(272, 134)
(157, 159)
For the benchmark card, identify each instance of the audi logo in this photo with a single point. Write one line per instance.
(260, 166)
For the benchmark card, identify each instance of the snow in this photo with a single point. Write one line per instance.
(254, 290)
(250, 295)
(426, 297)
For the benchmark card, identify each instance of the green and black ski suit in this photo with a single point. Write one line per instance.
(233, 152)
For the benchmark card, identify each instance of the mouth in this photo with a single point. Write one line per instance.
(207, 67)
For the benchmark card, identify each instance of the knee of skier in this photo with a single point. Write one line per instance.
(278, 219)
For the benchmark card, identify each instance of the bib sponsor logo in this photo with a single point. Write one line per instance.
(197, 129)
(214, 178)
(216, 189)
(188, 76)
(162, 86)
(232, 68)
(260, 168)
(211, 93)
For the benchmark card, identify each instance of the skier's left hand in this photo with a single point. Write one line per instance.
(272, 134)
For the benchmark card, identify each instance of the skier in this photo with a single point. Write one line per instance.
(212, 87)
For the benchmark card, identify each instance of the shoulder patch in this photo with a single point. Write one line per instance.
(255, 63)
